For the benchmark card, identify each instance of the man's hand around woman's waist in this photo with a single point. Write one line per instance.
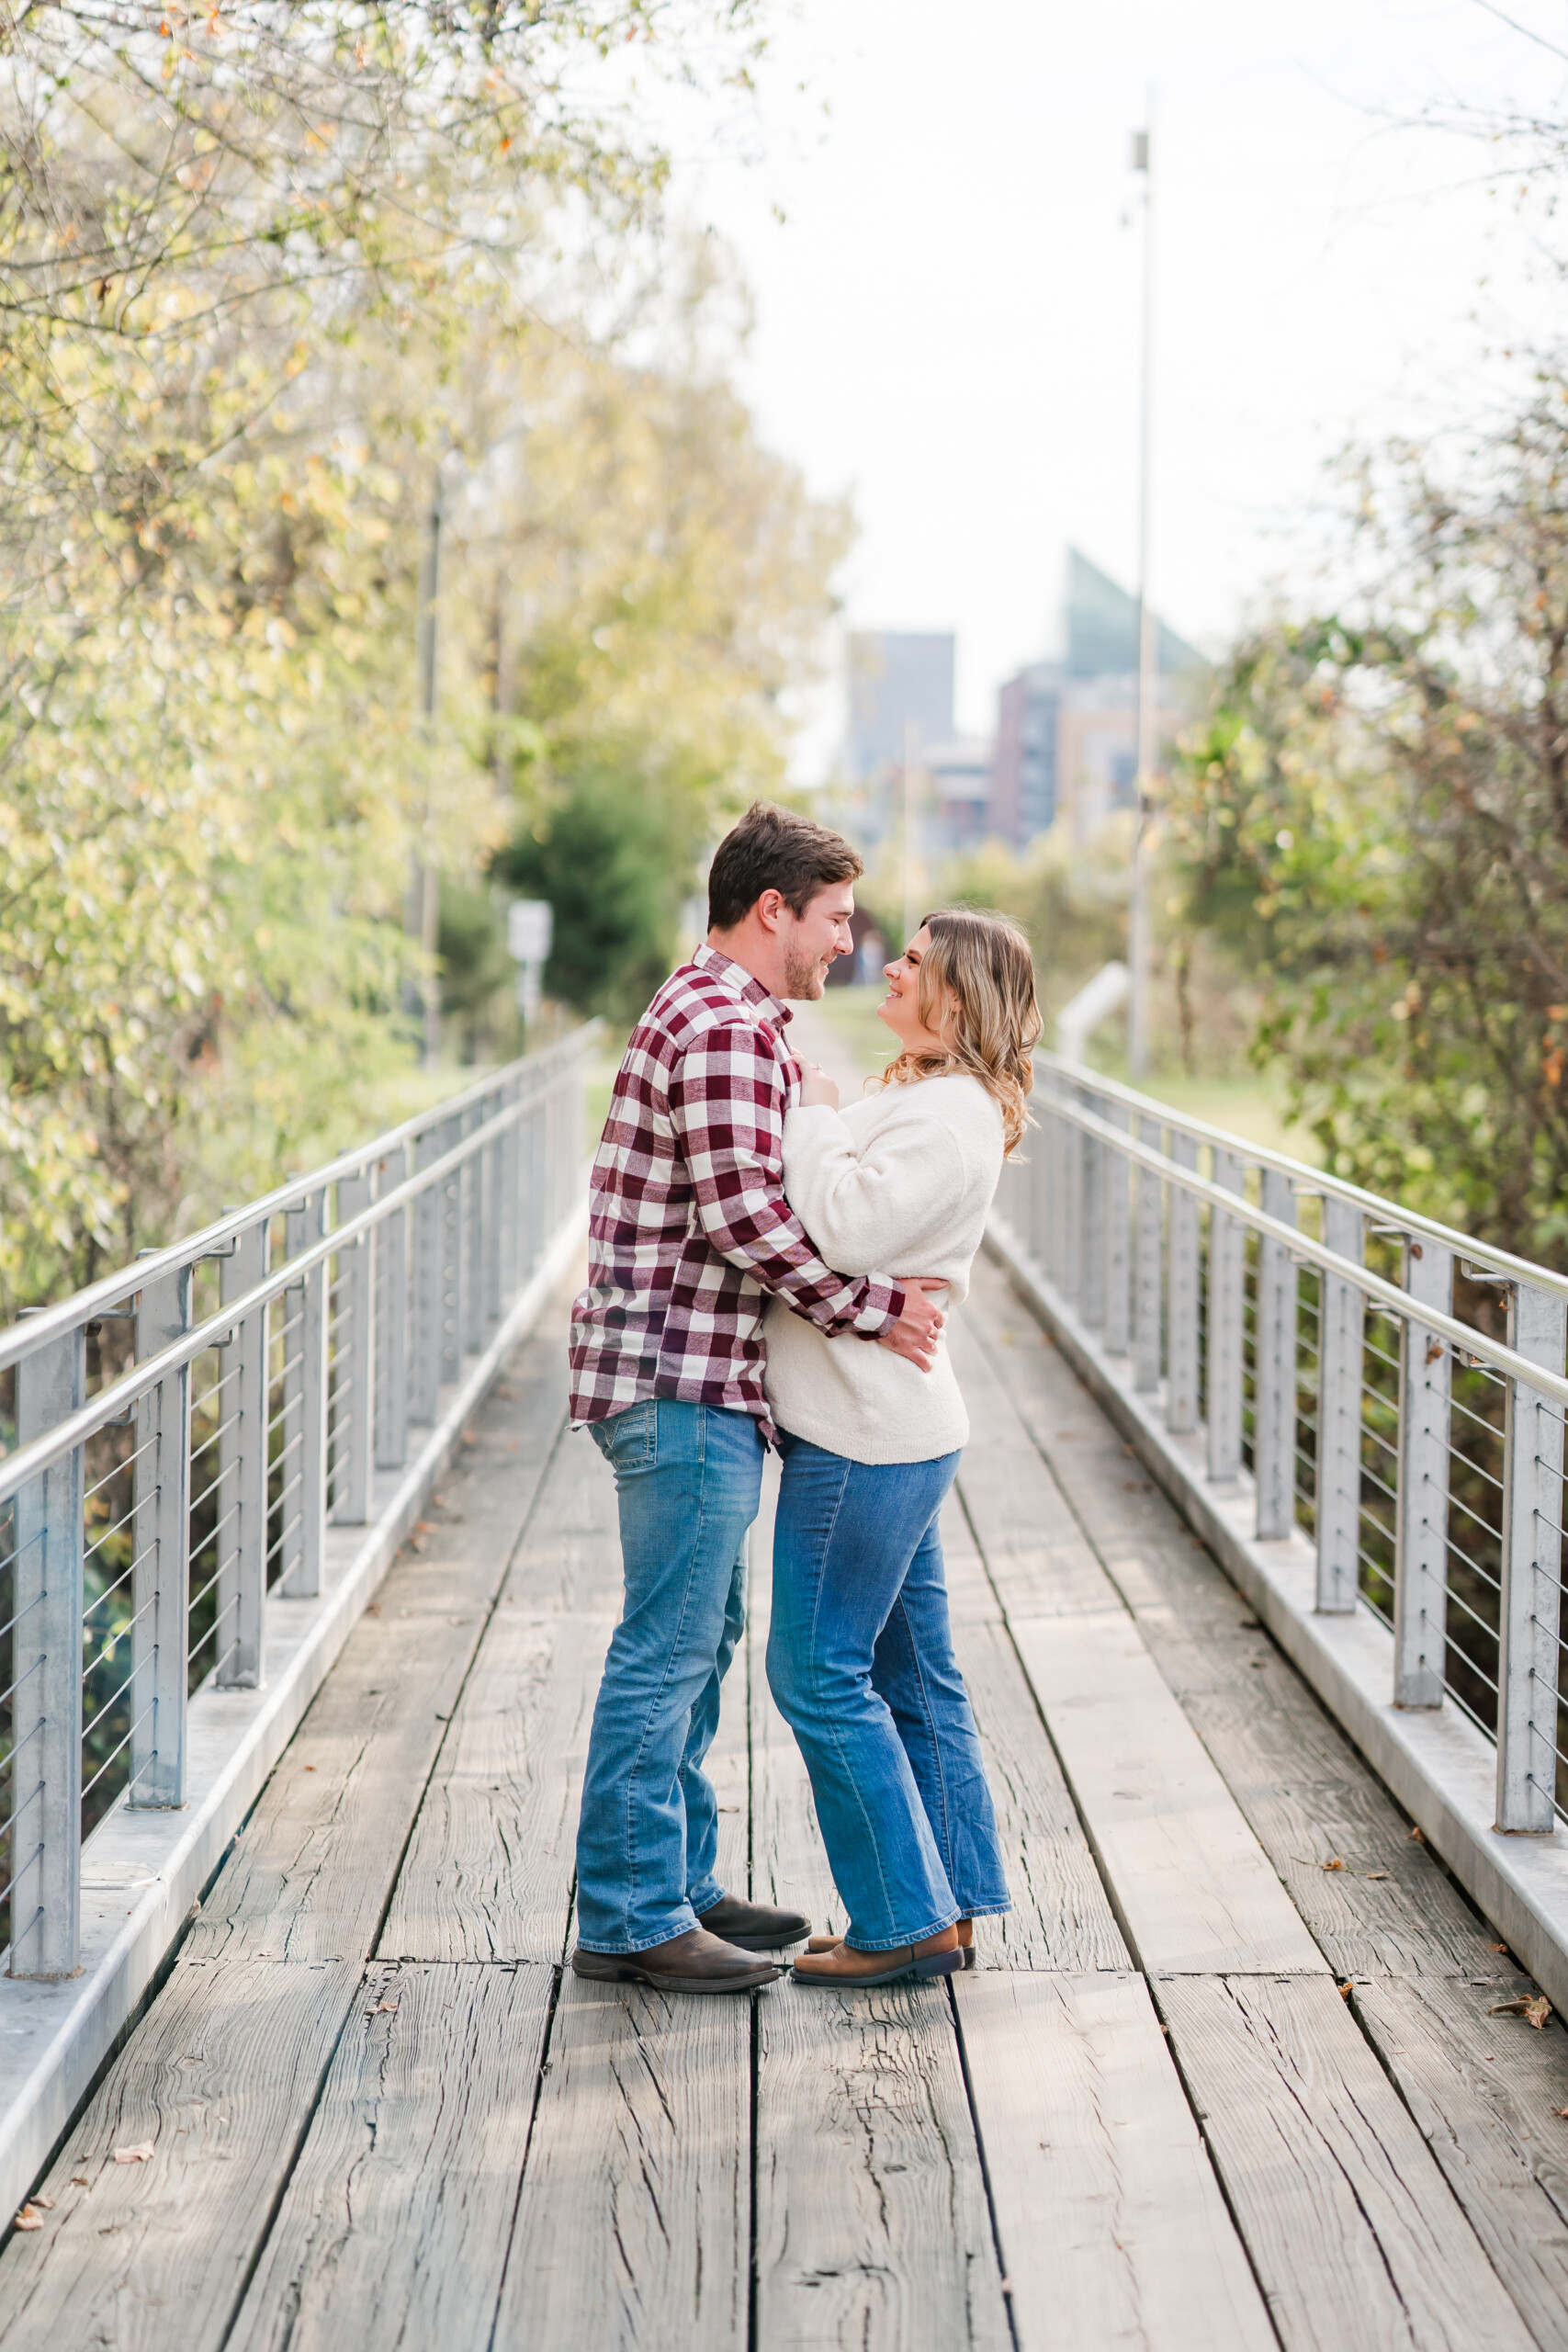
(914, 1334)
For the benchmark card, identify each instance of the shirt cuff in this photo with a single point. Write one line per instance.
(881, 1307)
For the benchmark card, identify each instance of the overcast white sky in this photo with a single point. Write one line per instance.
(947, 295)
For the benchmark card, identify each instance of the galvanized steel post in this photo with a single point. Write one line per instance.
(353, 1369)
(1530, 1608)
(1223, 1401)
(306, 1224)
(1181, 1327)
(46, 1707)
(243, 1469)
(1274, 1368)
(1341, 1319)
(161, 1551)
(1420, 1569)
(1118, 1236)
(1147, 1270)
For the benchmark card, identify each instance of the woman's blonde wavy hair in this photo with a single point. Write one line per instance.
(980, 969)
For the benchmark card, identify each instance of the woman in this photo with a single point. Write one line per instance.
(860, 1655)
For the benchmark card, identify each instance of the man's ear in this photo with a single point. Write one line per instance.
(769, 909)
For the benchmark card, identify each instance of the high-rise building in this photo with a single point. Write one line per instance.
(1068, 731)
(896, 677)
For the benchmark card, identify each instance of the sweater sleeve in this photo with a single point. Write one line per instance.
(868, 1209)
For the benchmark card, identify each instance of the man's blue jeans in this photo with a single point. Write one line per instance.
(688, 1479)
(859, 1660)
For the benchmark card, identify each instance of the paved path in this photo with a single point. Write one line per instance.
(1228, 2076)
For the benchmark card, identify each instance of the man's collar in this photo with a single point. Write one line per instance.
(746, 984)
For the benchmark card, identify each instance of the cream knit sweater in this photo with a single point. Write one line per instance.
(899, 1183)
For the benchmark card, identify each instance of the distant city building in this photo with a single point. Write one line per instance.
(896, 677)
(960, 790)
(1068, 731)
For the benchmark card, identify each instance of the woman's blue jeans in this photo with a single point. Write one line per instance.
(688, 1479)
(860, 1660)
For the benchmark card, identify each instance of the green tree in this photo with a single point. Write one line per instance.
(1376, 817)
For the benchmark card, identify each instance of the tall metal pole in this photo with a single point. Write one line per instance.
(911, 737)
(424, 883)
(1148, 670)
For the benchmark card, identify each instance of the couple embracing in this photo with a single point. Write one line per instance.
(769, 1269)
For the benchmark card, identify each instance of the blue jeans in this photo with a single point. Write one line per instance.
(688, 1479)
(859, 1660)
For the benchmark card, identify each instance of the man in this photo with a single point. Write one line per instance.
(689, 1230)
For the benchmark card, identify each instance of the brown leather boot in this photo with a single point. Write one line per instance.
(755, 1927)
(844, 1968)
(965, 1942)
(694, 1963)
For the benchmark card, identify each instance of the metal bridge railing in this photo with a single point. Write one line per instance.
(1395, 1390)
(188, 1429)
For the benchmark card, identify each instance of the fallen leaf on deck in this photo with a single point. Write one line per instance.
(1334, 1864)
(1560, 2110)
(1377, 1873)
(1535, 2007)
(28, 2220)
(80, 2180)
(1496, 1947)
(1345, 1989)
(138, 2155)
(389, 2006)
(1414, 1836)
(44, 2204)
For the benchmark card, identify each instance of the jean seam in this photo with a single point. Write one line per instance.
(931, 1735)
(837, 1736)
(632, 1879)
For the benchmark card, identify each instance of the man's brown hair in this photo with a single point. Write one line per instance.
(773, 849)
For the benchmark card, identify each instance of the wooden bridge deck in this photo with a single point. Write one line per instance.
(1230, 2075)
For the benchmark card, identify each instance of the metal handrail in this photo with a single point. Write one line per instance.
(28, 1462)
(1305, 1178)
(47, 1323)
(390, 1294)
(1440, 1506)
(1401, 1303)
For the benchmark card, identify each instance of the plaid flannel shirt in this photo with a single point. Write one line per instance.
(689, 1229)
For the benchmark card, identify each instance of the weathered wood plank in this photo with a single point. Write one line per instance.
(633, 2228)
(1305, 1792)
(488, 1873)
(309, 1873)
(872, 2225)
(395, 2223)
(1487, 2094)
(489, 1870)
(1111, 2223)
(219, 2076)
(1037, 1554)
(1353, 2233)
(1061, 1918)
(1190, 1883)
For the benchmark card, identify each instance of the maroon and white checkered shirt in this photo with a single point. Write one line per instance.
(689, 1229)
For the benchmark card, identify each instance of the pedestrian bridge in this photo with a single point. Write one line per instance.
(1245, 2066)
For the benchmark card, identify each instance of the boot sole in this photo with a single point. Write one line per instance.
(968, 1956)
(662, 1983)
(768, 1943)
(935, 1963)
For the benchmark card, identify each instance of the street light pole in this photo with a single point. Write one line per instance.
(911, 734)
(424, 882)
(1149, 667)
